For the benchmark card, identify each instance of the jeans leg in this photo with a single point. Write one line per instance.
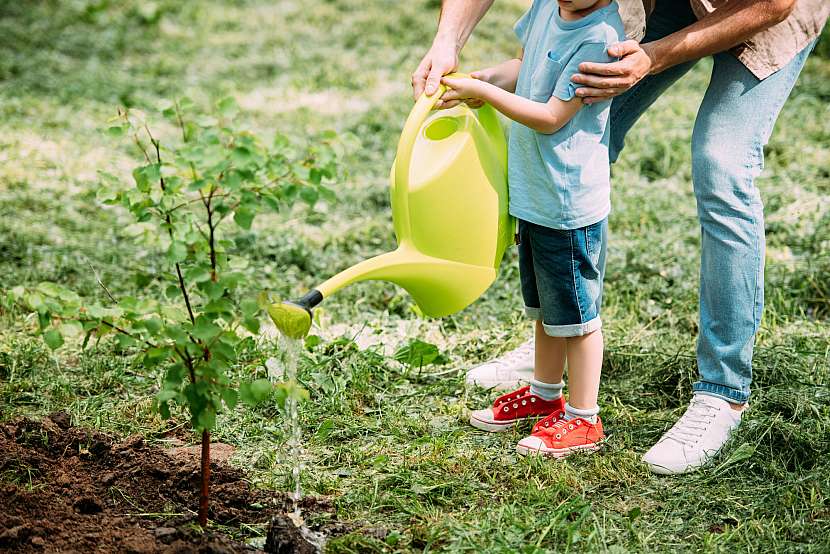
(733, 124)
(668, 16)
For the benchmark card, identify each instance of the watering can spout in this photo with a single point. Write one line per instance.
(449, 208)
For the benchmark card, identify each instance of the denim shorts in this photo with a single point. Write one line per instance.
(562, 273)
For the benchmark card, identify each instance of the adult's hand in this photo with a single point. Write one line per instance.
(601, 81)
(442, 58)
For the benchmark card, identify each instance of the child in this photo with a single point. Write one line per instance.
(558, 172)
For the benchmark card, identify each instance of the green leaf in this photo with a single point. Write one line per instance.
(50, 289)
(251, 324)
(166, 394)
(175, 376)
(230, 279)
(243, 217)
(222, 350)
(230, 397)
(743, 452)
(309, 195)
(205, 329)
(232, 180)
(325, 429)
(212, 290)
(163, 409)
(219, 306)
(197, 274)
(255, 392)
(227, 107)
(206, 419)
(53, 339)
(249, 307)
(153, 324)
(418, 354)
(311, 341)
(177, 251)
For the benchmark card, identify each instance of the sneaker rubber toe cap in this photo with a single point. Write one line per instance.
(667, 457)
(531, 445)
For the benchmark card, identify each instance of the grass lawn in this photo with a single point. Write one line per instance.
(388, 443)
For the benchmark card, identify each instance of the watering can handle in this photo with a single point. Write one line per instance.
(409, 134)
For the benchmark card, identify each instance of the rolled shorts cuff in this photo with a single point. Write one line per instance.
(574, 330)
(533, 313)
(720, 391)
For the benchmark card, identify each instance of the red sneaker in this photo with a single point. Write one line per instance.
(563, 437)
(512, 407)
(549, 420)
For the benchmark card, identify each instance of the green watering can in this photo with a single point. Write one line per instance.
(449, 208)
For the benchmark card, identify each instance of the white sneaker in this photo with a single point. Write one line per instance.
(508, 371)
(695, 438)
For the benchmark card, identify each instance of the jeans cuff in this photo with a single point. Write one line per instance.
(533, 313)
(720, 391)
(575, 330)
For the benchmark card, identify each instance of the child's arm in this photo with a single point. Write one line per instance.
(503, 76)
(544, 117)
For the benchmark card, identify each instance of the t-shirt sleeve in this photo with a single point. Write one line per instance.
(596, 52)
(522, 26)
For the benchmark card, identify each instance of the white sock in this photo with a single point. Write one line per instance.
(546, 391)
(589, 414)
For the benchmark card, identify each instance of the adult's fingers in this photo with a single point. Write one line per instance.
(602, 82)
(419, 77)
(590, 95)
(622, 49)
(607, 69)
(434, 78)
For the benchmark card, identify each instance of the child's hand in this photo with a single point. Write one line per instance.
(466, 90)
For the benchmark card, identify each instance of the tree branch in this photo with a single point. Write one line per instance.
(169, 221)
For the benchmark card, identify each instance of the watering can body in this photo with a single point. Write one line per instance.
(449, 207)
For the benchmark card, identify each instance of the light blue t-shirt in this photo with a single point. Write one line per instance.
(562, 180)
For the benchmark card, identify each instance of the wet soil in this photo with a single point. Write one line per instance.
(70, 489)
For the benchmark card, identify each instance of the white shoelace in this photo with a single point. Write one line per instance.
(524, 350)
(694, 423)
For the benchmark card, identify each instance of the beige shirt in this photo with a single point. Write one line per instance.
(763, 54)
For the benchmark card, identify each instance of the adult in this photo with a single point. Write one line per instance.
(759, 48)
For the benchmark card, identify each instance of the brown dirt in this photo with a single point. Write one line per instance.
(69, 489)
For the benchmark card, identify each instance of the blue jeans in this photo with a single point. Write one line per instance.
(733, 124)
(562, 272)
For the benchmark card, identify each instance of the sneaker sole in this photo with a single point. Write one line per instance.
(499, 427)
(556, 452)
(663, 470)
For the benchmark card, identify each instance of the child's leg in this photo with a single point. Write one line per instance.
(550, 356)
(549, 365)
(584, 368)
(569, 268)
(544, 396)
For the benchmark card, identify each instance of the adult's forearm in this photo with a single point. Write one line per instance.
(731, 24)
(458, 19)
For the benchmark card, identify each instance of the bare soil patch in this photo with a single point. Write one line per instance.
(69, 489)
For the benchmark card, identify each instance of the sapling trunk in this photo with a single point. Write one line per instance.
(204, 497)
